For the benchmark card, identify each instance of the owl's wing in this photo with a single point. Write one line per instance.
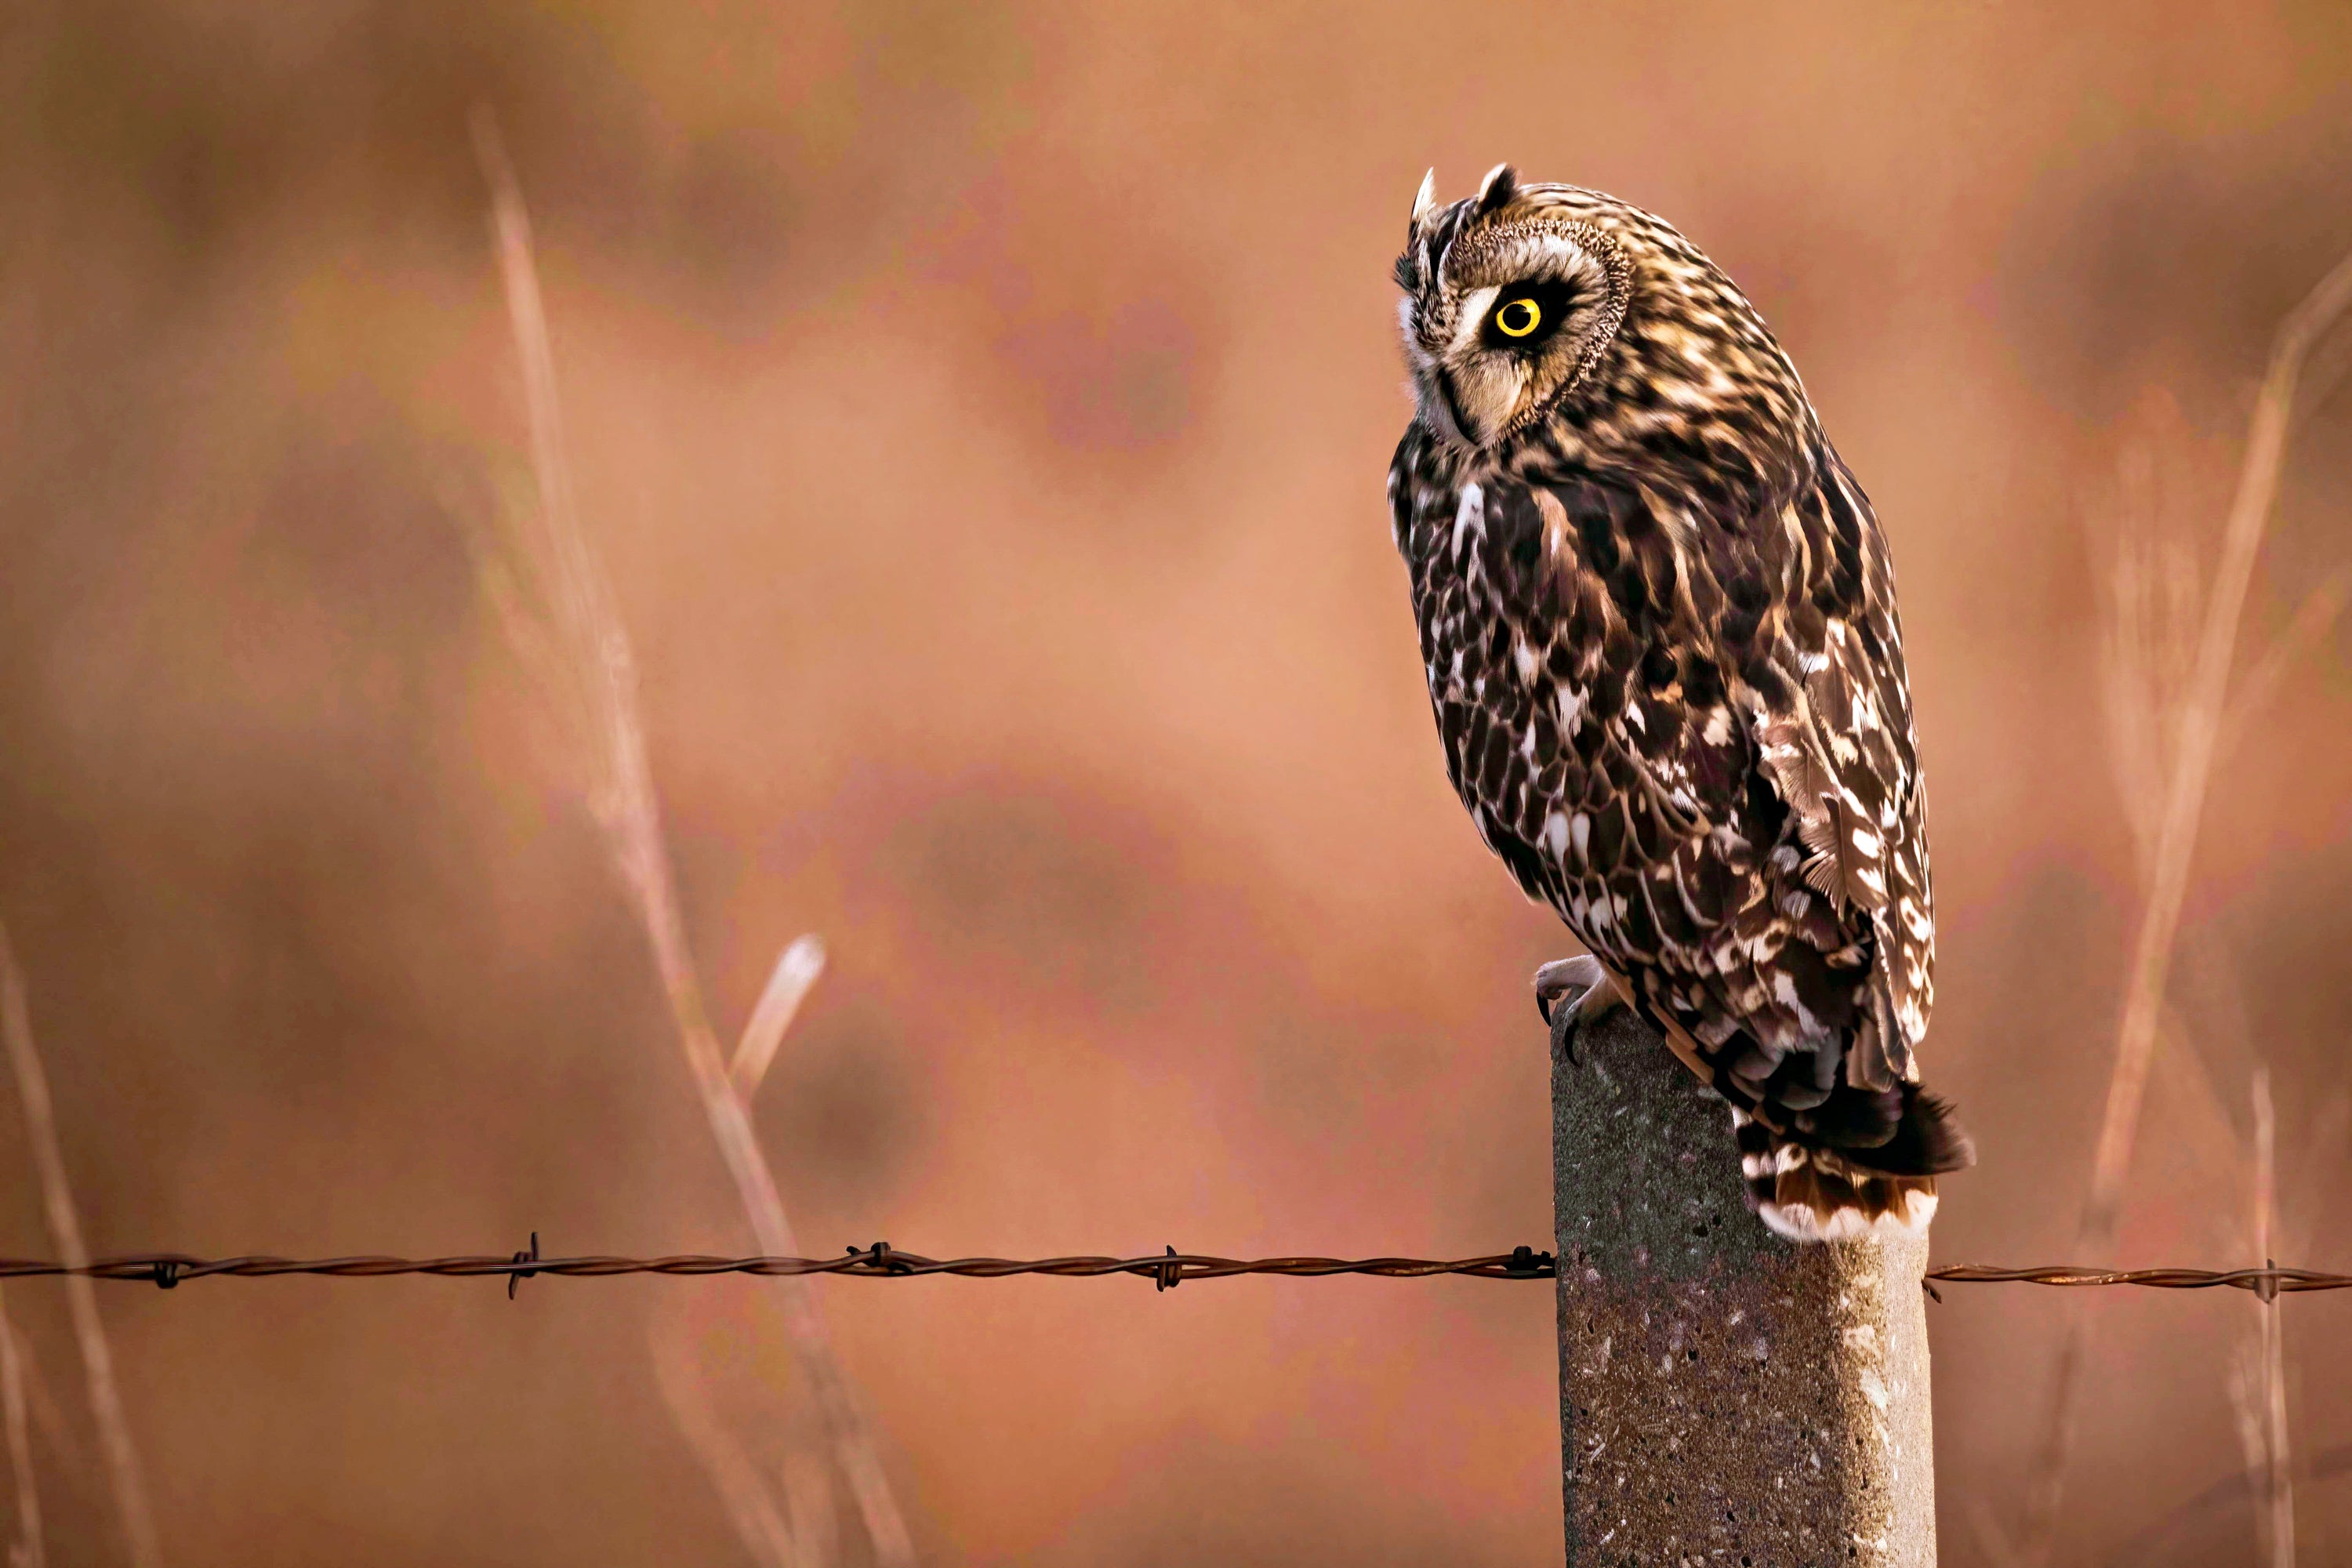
(1773, 705)
(1839, 748)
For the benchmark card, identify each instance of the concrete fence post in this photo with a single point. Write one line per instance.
(1725, 1397)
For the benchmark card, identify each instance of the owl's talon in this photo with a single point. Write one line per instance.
(1566, 977)
(1570, 993)
(1563, 1035)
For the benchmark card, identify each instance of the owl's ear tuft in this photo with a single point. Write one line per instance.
(1501, 184)
(1424, 198)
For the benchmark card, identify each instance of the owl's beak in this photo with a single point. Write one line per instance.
(1449, 401)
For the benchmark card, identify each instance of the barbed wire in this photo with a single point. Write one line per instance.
(2264, 1282)
(1167, 1270)
(879, 1261)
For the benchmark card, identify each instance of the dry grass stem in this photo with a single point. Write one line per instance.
(122, 1466)
(2147, 593)
(808, 1495)
(2245, 1381)
(1993, 1540)
(2159, 711)
(556, 572)
(2149, 1545)
(2274, 1495)
(49, 1419)
(2313, 619)
(2264, 1203)
(750, 1507)
(796, 971)
(2207, 1137)
(2256, 1376)
(26, 1550)
(2201, 712)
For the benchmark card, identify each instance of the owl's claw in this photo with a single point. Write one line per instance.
(1593, 994)
(1563, 1035)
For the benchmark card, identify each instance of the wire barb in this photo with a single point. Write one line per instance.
(516, 1276)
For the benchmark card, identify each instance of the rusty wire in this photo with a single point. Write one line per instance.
(879, 1261)
(2263, 1282)
(1167, 1270)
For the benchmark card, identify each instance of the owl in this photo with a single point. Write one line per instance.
(1657, 618)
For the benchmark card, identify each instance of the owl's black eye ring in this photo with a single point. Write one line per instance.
(1528, 314)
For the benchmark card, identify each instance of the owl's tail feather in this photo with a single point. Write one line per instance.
(1810, 1193)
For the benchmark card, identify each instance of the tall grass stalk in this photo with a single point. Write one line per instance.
(123, 1467)
(2182, 728)
(27, 1550)
(562, 612)
(2270, 1462)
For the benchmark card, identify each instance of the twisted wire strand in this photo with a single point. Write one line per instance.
(880, 1261)
(1166, 1270)
(2263, 1282)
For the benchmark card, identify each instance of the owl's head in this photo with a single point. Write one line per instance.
(1560, 306)
(1503, 311)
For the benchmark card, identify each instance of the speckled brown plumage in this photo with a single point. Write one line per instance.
(1657, 618)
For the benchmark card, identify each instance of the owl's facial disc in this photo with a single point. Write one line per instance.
(1503, 320)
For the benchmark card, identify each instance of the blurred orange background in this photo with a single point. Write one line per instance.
(984, 413)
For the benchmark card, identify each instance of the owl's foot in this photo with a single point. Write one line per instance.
(1569, 994)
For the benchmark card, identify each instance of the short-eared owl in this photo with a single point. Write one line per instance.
(1658, 621)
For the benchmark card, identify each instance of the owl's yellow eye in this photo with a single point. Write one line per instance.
(1518, 317)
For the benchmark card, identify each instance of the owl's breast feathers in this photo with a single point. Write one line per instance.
(1682, 719)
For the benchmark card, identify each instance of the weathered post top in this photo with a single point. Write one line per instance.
(1726, 1397)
